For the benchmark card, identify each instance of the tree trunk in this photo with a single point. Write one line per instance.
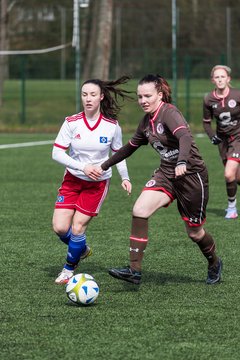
(3, 46)
(103, 40)
(89, 61)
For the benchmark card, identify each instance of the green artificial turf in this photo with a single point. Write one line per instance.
(171, 315)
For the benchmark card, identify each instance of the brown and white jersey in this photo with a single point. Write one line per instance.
(168, 133)
(225, 110)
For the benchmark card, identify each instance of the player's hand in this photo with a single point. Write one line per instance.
(93, 171)
(216, 140)
(127, 186)
(180, 169)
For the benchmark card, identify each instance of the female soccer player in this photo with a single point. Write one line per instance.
(223, 104)
(182, 175)
(89, 136)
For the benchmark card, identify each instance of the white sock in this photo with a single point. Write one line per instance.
(232, 204)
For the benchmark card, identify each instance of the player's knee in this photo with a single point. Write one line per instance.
(229, 176)
(140, 211)
(78, 228)
(59, 228)
(196, 235)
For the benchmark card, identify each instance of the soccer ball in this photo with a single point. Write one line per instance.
(82, 289)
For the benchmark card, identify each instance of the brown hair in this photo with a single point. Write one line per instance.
(160, 84)
(109, 106)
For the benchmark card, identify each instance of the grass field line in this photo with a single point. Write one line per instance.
(47, 142)
(25, 144)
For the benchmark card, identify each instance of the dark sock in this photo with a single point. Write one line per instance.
(208, 249)
(138, 242)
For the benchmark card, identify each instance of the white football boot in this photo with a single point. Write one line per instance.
(231, 213)
(64, 276)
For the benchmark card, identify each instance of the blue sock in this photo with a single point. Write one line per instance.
(65, 238)
(76, 246)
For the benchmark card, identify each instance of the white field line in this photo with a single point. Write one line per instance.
(36, 143)
(32, 143)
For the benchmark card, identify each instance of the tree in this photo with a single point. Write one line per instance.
(98, 55)
(3, 45)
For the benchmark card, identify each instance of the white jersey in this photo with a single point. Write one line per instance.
(88, 142)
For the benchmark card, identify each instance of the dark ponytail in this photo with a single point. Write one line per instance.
(109, 105)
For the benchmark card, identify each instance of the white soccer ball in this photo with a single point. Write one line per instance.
(82, 289)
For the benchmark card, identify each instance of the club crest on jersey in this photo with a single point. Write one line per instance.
(103, 139)
(232, 103)
(150, 183)
(60, 199)
(160, 129)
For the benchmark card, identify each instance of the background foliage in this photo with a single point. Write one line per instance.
(207, 33)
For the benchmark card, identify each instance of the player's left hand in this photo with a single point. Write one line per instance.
(180, 169)
(127, 186)
(92, 171)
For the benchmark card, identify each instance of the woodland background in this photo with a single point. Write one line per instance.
(119, 37)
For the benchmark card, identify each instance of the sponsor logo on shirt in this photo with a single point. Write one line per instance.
(78, 136)
(232, 103)
(103, 139)
(60, 199)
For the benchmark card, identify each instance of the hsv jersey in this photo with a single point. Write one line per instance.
(165, 131)
(88, 142)
(225, 110)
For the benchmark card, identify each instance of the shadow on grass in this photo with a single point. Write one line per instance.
(158, 279)
(216, 211)
(87, 268)
(164, 278)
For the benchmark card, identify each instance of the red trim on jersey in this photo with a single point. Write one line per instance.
(138, 239)
(60, 146)
(132, 144)
(157, 111)
(74, 117)
(88, 125)
(221, 98)
(155, 116)
(113, 121)
(179, 128)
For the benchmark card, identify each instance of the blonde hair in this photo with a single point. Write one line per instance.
(224, 67)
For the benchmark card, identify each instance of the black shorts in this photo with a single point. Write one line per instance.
(190, 191)
(229, 149)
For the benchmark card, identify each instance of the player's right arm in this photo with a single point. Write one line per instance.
(61, 145)
(207, 123)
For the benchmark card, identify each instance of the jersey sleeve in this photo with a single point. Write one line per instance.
(115, 146)
(207, 119)
(139, 138)
(207, 111)
(179, 128)
(61, 145)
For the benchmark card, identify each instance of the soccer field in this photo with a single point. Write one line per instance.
(171, 315)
